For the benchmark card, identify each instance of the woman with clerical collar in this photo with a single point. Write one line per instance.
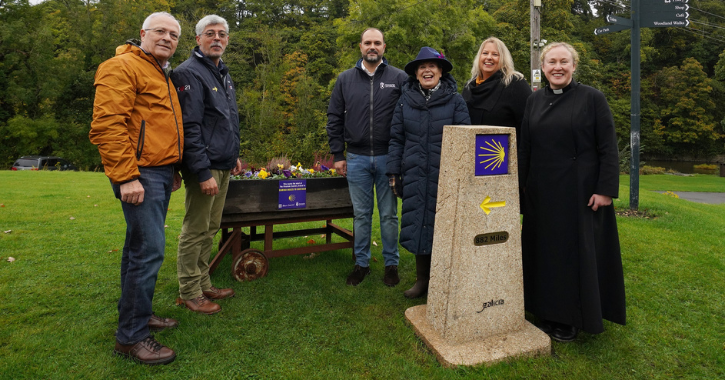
(569, 173)
(496, 93)
(429, 101)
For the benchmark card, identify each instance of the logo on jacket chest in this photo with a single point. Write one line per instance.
(184, 88)
(387, 85)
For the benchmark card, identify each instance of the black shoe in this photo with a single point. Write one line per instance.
(546, 326)
(564, 333)
(391, 275)
(358, 274)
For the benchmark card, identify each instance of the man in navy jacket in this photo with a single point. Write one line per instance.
(358, 121)
(211, 127)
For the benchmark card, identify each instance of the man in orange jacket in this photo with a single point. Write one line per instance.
(137, 126)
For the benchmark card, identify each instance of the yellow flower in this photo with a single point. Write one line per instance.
(280, 166)
(332, 171)
(263, 174)
(312, 171)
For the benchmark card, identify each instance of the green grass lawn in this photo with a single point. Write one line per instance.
(58, 299)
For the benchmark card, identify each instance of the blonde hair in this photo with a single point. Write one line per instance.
(506, 61)
(547, 48)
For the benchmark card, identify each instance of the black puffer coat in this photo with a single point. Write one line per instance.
(415, 153)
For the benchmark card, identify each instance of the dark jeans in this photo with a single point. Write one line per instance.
(143, 252)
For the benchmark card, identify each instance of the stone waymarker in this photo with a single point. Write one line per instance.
(475, 310)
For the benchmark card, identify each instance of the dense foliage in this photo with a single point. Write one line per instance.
(285, 56)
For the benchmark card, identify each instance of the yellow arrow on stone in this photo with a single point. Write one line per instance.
(487, 205)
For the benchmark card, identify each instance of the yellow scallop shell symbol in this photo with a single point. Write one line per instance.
(496, 156)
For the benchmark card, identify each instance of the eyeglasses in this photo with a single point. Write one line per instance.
(162, 32)
(211, 34)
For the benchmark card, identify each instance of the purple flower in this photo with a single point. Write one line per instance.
(248, 174)
(287, 173)
(324, 168)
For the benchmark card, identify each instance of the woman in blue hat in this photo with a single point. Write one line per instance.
(429, 100)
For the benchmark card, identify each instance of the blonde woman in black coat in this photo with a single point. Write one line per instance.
(496, 93)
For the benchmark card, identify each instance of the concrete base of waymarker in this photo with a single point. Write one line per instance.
(529, 341)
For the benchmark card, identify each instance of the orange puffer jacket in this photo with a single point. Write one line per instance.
(136, 115)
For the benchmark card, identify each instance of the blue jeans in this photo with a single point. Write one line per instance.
(364, 172)
(143, 252)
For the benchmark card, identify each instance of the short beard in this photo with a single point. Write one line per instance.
(372, 60)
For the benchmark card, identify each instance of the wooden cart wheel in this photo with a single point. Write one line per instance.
(249, 265)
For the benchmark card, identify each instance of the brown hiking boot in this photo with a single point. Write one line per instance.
(215, 293)
(147, 351)
(157, 323)
(201, 305)
(391, 276)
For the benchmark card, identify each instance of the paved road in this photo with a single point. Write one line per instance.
(711, 198)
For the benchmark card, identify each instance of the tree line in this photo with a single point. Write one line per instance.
(284, 56)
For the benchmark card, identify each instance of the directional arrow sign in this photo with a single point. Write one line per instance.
(619, 20)
(671, 7)
(664, 20)
(662, 2)
(487, 205)
(609, 29)
(664, 23)
(666, 15)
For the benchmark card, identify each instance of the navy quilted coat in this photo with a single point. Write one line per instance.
(415, 153)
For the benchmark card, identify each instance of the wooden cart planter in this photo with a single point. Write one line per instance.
(252, 203)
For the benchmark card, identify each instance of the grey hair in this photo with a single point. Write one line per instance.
(572, 51)
(211, 20)
(506, 61)
(147, 21)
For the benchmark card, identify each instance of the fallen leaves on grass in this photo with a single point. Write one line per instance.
(635, 213)
(2, 204)
(8, 231)
(310, 256)
(113, 250)
(375, 243)
(375, 260)
(311, 241)
(11, 259)
(166, 226)
(72, 218)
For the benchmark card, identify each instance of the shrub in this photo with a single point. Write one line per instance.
(707, 167)
(651, 170)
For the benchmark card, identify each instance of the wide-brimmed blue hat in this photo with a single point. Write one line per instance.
(428, 54)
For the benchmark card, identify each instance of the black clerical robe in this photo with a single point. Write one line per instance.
(571, 255)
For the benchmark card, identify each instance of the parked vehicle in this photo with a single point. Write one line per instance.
(42, 163)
